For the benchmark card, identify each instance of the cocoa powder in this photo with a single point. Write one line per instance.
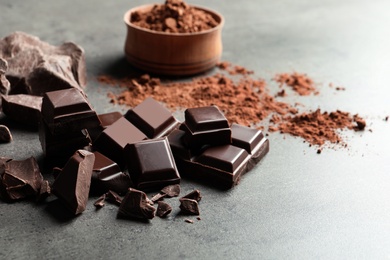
(244, 100)
(300, 83)
(174, 16)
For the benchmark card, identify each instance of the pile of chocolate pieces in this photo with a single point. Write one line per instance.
(113, 155)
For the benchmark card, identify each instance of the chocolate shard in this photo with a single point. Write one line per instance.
(163, 209)
(73, 183)
(189, 206)
(151, 164)
(107, 175)
(112, 141)
(20, 179)
(113, 197)
(158, 197)
(22, 108)
(67, 110)
(171, 190)
(100, 202)
(194, 195)
(5, 134)
(153, 119)
(135, 205)
(37, 66)
(5, 86)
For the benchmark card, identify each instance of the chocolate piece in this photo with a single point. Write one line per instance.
(205, 126)
(73, 183)
(113, 197)
(171, 190)
(5, 134)
(20, 179)
(100, 202)
(194, 195)
(112, 141)
(189, 221)
(153, 119)
(135, 205)
(151, 164)
(163, 209)
(62, 145)
(25, 109)
(189, 206)
(107, 175)
(157, 197)
(252, 140)
(67, 110)
(5, 86)
(106, 120)
(38, 67)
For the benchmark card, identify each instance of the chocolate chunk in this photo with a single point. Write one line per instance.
(112, 141)
(25, 109)
(38, 67)
(113, 197)
(136, 205)
(153, 119)
(5, 86)
(205, 126)
(100, 202)
(20, 179)
(5, 134)
(189, 206)
(171, 190)
(67, 110)
(107, 175)
(157, 197)
(151, 164)
(61, 145)
(163, 209)
(194, 195)
(73, 183)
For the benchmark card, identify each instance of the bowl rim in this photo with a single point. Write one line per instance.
(126, 19)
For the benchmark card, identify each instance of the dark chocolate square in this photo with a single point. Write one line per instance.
(151, 164)
(112, 141)
(246, 137)
(152, 118)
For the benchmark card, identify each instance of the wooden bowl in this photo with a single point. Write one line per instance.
(178, 54)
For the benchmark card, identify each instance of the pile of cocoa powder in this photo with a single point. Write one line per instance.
(174, 16)
(244, 100)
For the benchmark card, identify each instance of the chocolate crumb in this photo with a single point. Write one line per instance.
(189, 221)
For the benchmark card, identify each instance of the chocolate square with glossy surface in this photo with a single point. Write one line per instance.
(152, 118)
(151, 164)
(112, 141)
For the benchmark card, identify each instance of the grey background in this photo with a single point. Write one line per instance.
(295, 204)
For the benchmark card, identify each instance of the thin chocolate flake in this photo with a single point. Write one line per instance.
(113, 197)
(158, 197)
(171, 190)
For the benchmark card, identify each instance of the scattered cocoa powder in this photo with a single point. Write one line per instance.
(300, 83)
(174, 16)
(244, 100)
(318, 128)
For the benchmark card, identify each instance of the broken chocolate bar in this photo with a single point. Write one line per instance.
(222, 166)
(22, 108)
(151, 164)
(107, 175)
(163, 209)
(136, 205)
(112, 141)
(36, 67)
(67, 110)
(20, 178)
(205, 126)
(73, 183)
(153, 119)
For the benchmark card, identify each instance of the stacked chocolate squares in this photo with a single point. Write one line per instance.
(207, 149)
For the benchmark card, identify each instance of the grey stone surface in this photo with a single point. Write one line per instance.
(295, 204)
